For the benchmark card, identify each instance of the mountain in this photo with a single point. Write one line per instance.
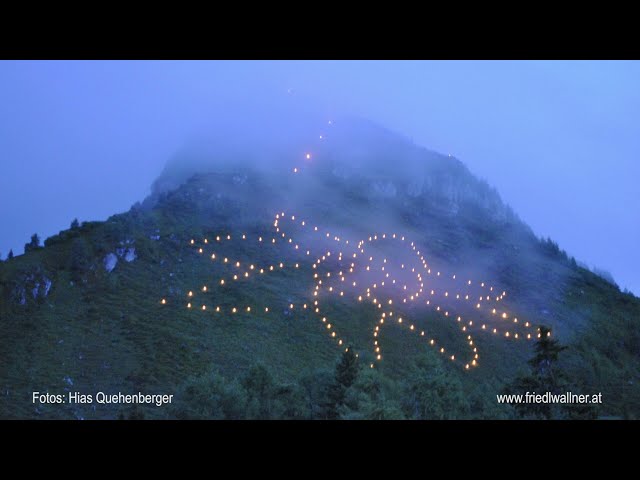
(116, 306)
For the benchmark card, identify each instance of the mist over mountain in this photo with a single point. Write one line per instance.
(110, 303)
(393, 182)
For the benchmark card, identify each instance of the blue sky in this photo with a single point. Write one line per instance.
(559, 140)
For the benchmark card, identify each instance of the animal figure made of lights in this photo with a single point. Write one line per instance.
(354, 270)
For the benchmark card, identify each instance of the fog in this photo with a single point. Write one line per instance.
(559, 140)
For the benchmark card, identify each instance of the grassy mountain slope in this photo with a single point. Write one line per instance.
(68, 324)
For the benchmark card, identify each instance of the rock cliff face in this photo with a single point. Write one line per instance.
(126, 252)
(355, 155)
(449, 188)
(110, 261)
(31, 286)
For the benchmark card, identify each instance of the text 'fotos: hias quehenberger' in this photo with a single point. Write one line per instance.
(103, 398)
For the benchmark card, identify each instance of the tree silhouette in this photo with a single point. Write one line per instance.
(345, 375)
(545, 377)
(547, 350)
(33, 244)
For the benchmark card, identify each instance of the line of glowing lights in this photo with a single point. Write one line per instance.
(410, 296)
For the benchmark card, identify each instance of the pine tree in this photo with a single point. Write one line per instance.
(547, 350)
(347, 369)
(345, 375)
(33, 244)
(75, 224)
(545, 377)
(10, 254)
